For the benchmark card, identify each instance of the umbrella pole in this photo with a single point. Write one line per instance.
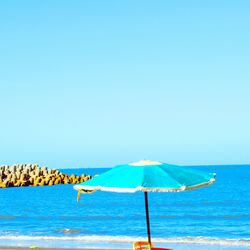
(147, 217)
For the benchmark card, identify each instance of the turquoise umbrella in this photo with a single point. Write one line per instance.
(148, 176)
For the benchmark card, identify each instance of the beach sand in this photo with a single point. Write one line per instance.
(175, 247)
(25, 248)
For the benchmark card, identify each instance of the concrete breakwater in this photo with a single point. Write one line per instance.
(32, 175)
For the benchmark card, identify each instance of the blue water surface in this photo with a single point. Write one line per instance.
(221, 210)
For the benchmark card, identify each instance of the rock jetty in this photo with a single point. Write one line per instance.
(32, 175)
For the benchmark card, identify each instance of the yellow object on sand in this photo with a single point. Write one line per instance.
(142, 245)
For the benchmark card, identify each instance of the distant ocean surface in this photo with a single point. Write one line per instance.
(50, 216)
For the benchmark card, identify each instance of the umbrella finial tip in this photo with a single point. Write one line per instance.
(145, 163)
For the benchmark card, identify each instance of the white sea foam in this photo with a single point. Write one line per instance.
(242, 242)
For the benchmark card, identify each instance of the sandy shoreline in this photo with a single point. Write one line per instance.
(40, 248)
(174, 247)
(57, 248)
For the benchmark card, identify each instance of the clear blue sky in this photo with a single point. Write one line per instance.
(98, 83)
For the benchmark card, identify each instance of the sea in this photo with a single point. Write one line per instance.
(212, 217)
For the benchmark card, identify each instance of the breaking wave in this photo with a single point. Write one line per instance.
(242, 242)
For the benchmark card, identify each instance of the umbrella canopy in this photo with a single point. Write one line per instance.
(148, 176)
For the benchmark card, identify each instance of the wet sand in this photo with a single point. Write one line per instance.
(179, 247)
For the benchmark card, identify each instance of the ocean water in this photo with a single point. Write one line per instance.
(217, 215)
